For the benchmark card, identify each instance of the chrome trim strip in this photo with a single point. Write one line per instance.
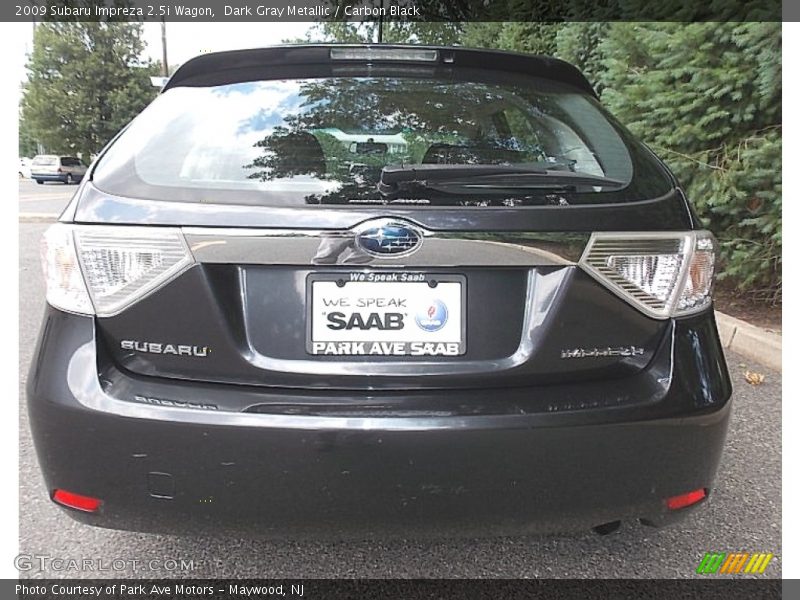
(339, 247)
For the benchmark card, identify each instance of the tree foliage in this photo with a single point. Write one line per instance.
(580, 44)
(707, 98)
(27, 143)
(86, 81)
(533, 37)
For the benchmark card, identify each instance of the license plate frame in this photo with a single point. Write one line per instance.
(422, 285)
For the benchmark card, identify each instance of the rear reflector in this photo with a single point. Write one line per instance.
(684, 500)
(76, 501)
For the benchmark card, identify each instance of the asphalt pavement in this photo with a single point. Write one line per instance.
(45, 198)
(743, 514)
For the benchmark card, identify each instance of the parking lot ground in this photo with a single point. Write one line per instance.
(48, 198)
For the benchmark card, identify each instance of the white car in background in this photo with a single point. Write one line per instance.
(24, 168)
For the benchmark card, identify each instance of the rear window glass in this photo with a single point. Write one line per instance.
(45, 161)
(325, 141)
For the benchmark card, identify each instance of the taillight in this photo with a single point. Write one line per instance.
(104, 269)
(662, 274)
(684, 500)
(76, 501)
(65, 287)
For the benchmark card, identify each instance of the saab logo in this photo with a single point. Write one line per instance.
(433, 317)
(731, 563)
(338, 321)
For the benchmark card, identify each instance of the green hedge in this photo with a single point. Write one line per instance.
(707, 98)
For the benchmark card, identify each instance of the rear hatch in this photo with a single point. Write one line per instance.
(357, 221)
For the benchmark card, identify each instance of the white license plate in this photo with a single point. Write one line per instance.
(386, 314)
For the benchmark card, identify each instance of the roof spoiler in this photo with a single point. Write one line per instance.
(236, 66)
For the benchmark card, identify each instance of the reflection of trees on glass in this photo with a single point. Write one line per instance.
(288, 154)
(347, 129)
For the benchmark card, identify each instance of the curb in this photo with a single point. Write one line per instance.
(37, 217)
(753, 342)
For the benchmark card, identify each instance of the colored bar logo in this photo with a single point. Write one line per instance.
(732, 563)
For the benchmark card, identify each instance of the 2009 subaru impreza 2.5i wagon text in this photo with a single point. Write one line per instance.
(373, 289)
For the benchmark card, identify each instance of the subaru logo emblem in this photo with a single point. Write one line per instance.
(388, 238)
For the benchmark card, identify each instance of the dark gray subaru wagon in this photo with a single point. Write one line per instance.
(357, 289)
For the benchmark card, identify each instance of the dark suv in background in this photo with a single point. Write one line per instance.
(376, 289)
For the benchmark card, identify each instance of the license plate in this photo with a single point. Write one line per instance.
(386, 314)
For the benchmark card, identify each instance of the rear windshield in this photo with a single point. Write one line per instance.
(45, 161)
(326, 141)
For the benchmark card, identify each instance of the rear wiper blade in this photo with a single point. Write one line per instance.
(486, 178)
(431, 172)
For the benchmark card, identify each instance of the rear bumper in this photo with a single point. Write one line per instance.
(284, 474)
(62, 177)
